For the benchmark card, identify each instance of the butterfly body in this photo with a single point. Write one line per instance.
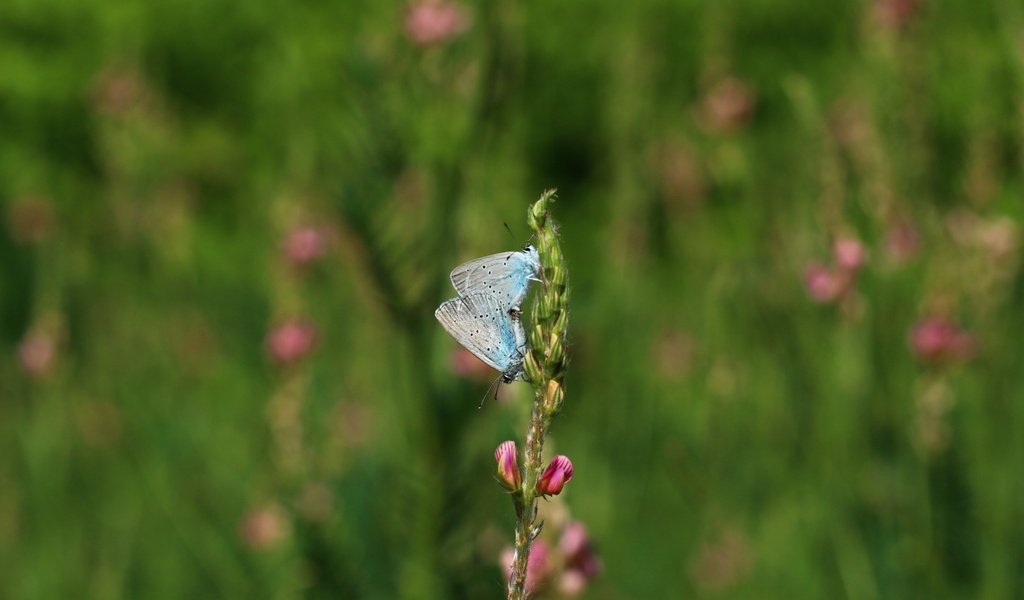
(485, 326)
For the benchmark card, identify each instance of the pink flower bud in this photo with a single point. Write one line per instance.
(937, 340)
(290, 341)
(508, 465)
(554, 478)
(37, 353)
(849, 254)
(896, 14)
(264, 527)
(572, 583)
(902, 242)
(578, 552)
(432, 22)
(823, 285)
(304, 245)
(727, 106)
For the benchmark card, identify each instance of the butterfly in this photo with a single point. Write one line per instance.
(488, 329)
(506, 276)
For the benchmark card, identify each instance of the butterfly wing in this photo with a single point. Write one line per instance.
(505, 275)
(483, 326)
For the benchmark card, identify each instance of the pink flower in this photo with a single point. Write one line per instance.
(303, 245)
(37, 353)
(572, 583)
(554, 478)
(431, 22)
(896, 14)
(727, 106)
(937, 340)
(291, 341)
(902, 242)
(264, 527)
(581, 561)
(508, 465)
(575, 543)
(823, 284)
(849, 254)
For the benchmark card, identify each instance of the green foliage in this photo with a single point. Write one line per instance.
(732, 437)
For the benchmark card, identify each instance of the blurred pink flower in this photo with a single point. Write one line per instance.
(538, 567)
(291, 341)
(939, 340)
(554, 478)
(264, 527)
(466, 365)
(727, 106)
(304, 245)
(508, 465)
(435, 21)
(849, 254)
(572, 583)
(896, 14)
(37, 353)
(823, 284)
(902, 242)
(575, 546)
(581, 562)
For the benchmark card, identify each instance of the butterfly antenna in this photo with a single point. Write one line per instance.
(509, 230)
(494, 386)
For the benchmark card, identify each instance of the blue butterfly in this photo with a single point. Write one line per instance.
(505, 276)
(488, 329)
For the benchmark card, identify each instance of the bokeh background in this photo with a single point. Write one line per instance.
(793, 236)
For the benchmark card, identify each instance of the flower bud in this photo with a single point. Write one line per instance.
(553, 396)
(304, 245)
(435, 22)
(558, 473)
(508, 465)
(578, 552)
(37, 353)
(940, 340)
(823, 285)
(264, 527)
(533, 370)
(290, 341)
(849, 254)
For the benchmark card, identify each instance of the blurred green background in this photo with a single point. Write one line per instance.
(792, 231)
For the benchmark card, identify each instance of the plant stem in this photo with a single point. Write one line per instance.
(526, 502)
(544, 366)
